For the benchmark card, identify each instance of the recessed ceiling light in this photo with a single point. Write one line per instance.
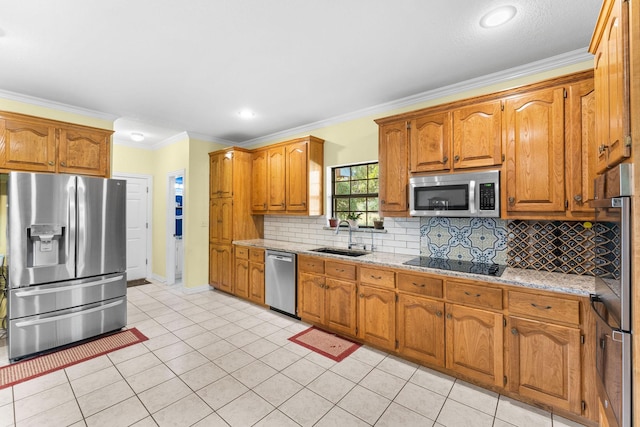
(137, 136)
(246, 114)
(498, 16)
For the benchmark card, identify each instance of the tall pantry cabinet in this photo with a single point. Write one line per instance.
(229, 212)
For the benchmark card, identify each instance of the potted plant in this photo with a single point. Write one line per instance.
(333, 222)
(378, 224)
(352, 219)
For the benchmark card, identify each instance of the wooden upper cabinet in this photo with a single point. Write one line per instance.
(296, 182)
(581, 154)
(535, 151)
(41, 145)
(259, 177)
(221, 174)
(610, 45)
(276, 179)
(27, 145)
(287, 178)
(221, 220)
(83, 151)
(393, 164)
(477, 135)
(430, 142)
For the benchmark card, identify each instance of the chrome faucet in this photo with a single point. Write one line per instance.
(351, 242)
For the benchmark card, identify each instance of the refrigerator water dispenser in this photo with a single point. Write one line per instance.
(46, 245)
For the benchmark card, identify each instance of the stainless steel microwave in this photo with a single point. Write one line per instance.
(468, 194)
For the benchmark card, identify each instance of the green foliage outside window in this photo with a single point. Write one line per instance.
(355, 190)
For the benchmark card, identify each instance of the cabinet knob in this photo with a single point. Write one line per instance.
(445, 159)
(63, 164)
(456, 158)
(602, 148)
(264, 206)
(512, 200)
(577, 198)
(438, 313)
(361, 295)
(514, 331)
(383, 202)
(449, 316)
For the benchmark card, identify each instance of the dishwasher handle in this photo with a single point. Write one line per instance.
(281, 258)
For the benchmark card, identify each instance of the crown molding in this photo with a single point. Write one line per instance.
(548, 64)
(59, 106)
(209, 138)
(171, 140)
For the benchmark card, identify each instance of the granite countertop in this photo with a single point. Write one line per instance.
(555, 282)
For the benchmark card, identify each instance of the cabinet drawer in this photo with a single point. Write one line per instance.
(310, 265)
(256, 255)
(419, 284)
(545, 307)
(378, 277)
(479, 295)
(242, 252)
(338, 269)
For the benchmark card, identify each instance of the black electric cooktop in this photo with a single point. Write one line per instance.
(460, 266)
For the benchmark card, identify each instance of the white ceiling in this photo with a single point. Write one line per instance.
(168, 66)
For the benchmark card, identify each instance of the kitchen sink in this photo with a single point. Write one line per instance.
(341, 251)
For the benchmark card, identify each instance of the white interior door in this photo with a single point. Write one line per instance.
(138, 226)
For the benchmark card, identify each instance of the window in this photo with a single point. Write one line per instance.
(355, 191)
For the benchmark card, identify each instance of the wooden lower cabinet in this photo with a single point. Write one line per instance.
(420, 329)
(256, 279)
(311, 297)
(544, 363)
(340, 306)
(377, 316)
(220, 267)
(241, 274)
(474, 344)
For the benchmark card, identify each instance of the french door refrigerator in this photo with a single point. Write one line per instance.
(66, 238)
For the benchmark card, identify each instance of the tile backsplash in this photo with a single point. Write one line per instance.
(557, 246)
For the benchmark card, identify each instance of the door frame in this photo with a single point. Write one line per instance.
(170, 278)
(149, 182)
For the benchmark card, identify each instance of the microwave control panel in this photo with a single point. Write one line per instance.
(487, 196)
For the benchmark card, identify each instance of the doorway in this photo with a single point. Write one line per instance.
(175, 227)
(138, 225)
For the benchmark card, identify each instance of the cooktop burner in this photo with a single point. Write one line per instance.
(457, 265)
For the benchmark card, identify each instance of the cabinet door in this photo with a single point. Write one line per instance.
(221, 220)
(377, 316)
(420, 329)
(544, 363)
(617, 75)
(393, 164)
(256, 282)
(214, 175)
(259, 174)
(27, 146)
(242, 278)
(477, 135)
(225, 265)
(84, 151)
(276, 179)
(474, 343)
(535, 151)
(226, 174)
(311, 297)
(430, 142)
(214, 269)
(581, 145)
(297, 177)
(340, 306)
(601, 80)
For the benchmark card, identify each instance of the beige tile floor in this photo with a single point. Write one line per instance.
(215, 360)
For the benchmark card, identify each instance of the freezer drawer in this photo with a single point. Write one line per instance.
(32, 300)
(43, 332)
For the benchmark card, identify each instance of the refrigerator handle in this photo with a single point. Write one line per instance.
(31, 293)
(66, 316)
(73, 227)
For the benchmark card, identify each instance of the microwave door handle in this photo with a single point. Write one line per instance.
(472, 196)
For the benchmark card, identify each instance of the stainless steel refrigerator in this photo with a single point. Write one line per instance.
(66, 260)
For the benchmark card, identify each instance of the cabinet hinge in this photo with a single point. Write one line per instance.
(504, 322)
(564, 93)
(627, 141)
(503, 157)
(408, 125)
(501, 106)
(397, 344)
(504, 380)
(581, 339)
(356, 331)
(566, 204)
(583, 406)
(146, 262)
(147, 190)
(396, 297)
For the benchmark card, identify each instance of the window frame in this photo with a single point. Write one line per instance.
(368, 215)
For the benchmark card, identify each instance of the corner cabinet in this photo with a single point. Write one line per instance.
(610, 46)
(229, 216)
(287, 178)
(40, 145)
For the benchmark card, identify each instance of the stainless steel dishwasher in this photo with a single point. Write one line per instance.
(280, 281)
